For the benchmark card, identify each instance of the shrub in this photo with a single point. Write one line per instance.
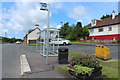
(115, 41)
(86, 60)
(118, 41)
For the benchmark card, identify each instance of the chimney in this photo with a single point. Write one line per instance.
(36, 25)
(113, 14)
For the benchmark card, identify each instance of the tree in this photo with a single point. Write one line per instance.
(10, 40)
(73, 25)
(119, 13)
(85, 31)
(105, 16)
(78, 29)
(75, 32)
(65, 30)
(72, 33)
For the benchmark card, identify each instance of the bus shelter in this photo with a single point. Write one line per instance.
(42, 45)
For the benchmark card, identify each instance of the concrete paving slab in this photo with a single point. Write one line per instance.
(41, 70)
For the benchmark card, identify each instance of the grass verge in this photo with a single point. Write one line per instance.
(110, 69)
(78, 42)
(2, 42)
(74, 53)
(32, 44)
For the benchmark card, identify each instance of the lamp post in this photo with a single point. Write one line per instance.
(46, 7)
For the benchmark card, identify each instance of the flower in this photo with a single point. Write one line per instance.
(72, 63)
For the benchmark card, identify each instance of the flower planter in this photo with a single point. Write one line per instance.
(96, 72)
(85, 67)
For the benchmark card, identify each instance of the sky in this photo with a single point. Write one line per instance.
(18, 17)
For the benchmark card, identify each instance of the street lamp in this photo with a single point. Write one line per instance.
(46, 7)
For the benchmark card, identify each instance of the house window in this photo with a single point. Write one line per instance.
(93, 22)
(100, 29)
(91, 30)
(110, 28)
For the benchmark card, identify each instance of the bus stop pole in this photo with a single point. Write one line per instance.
(47, 42)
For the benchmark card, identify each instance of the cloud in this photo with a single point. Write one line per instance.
(61, 0)
(28, 0)
(22, 18)
(44, 27)
(58, 26)
(55, 7)
(77, 12)
(2, 30)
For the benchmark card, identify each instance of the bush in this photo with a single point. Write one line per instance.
(85, 60)
(115, 41)
(118, 41)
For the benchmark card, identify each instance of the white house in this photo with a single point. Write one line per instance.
(105, 29)
(31, 35)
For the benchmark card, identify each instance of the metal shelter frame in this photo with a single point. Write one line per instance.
(41, 42)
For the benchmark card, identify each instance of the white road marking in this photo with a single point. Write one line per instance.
(24, 64)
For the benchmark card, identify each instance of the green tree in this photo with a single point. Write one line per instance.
(78, 29)
(119, 13)
(85, 31)
(105, 16)
(72, 35)
(65, 30)
(75, 32)
(73, 25)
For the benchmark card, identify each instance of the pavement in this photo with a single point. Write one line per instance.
(41, 70)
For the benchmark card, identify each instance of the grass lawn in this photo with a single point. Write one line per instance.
(78, 42)
(30, 44)
(2, 42)
(110, 69)
(73, 53)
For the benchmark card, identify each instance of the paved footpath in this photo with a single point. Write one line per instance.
(39, 69)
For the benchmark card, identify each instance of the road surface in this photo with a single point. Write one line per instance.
(11, 59)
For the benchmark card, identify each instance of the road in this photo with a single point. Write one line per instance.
(11, 59)
(91, 50)
(0, 61)
(11, 56)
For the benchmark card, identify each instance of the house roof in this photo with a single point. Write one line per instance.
(31, 31)
(106, 22)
